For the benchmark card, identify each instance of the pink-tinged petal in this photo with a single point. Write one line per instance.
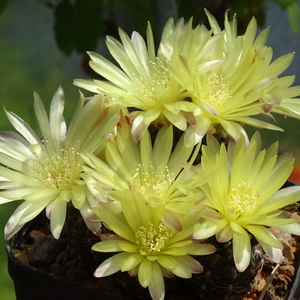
(157, 284)
(138, 127)
(23, 214)
(111, 265)
(264, 83)
(139, 45)
(212, 214)
(195, 132)
(275, 254)
(188, 262)
(210, 108)
(241, 250)
(167, 273)
(209, 65)
(57, 123)
(172, 220)
(133, 272)
(91, 220)
(177, 120)
(23, 128)
(14, 159)
(110, 236)
(17, 144)
(13, 138)
(191, 137)
(224, 235)
(48, 209)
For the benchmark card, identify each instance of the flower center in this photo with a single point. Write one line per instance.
(152, 240)
(217, 90)
(154, 89)
(57, 168)
(154, 182)
(243, 199)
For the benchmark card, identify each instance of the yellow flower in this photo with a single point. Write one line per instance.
(148, 248)
(246, 198)
(46, 172)
(242, 84)
(144, 82)
(156, 172)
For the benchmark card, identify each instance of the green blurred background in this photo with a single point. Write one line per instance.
(43, 44)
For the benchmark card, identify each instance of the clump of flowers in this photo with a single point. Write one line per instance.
(147, 247)
(246, 196)
(144, 160)
(46, 172)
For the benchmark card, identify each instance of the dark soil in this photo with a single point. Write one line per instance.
(71, 257)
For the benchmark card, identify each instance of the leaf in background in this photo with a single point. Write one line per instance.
(293, 12)
(141, 12)
(78, 26)
(3, 4)
(64, 26)
(194, 9)
(294, 17)
(88, 23)
(285, 3)
(245, 10)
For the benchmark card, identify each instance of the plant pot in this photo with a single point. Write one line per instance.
(32, 283)
(295, 291)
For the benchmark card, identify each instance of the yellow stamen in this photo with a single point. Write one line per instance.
(217, 93)
(159, 181)
(154, 91)
(243, 199)
(57, 169)
(152, 240)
